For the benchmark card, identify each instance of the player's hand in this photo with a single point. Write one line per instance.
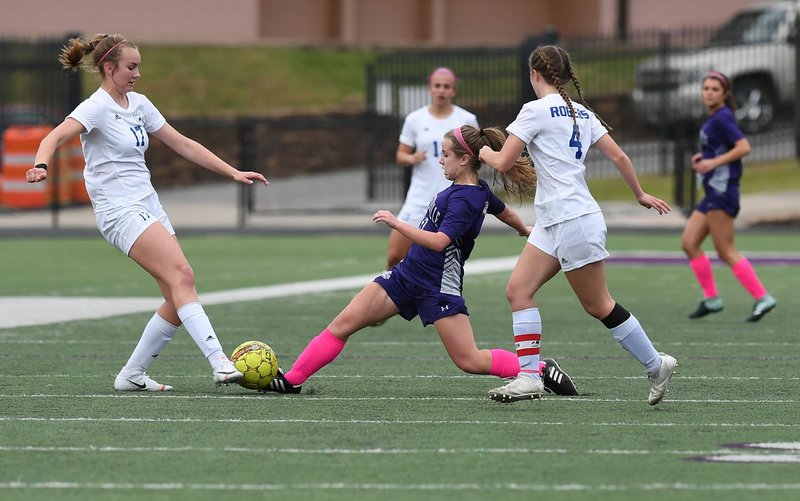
(702, 166)
(652, 202)
(419, 157)
(385, 216)
(34, 175)
(249, 177)
(697, 157)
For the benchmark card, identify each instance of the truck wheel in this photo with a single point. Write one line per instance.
(755, 104)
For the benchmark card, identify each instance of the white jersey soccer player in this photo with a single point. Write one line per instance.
(114, 124)
(117, 176)
(423, 132)
(570, 232)
(558, 152)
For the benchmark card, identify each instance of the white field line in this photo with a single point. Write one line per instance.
(602, 342)
(374, 451)
(389, 422)
(41, 310)
(378, 450)
(443, 487)
(173, 396)
(416, 376)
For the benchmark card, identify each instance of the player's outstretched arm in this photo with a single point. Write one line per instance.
(435, 241)
(65, 131)
(202, 156)
(623, 163)
(510, 217)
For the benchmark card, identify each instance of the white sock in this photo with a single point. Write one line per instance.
(632, 337)
(155, 336)
(527, 337)
(196, 321)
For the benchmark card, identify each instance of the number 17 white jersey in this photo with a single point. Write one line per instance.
(113, 146)
(558, 150)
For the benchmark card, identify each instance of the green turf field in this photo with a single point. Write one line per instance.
(393, 418)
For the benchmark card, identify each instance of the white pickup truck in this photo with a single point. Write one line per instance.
(755, 49)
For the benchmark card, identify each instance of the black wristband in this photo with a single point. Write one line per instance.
(40, 166)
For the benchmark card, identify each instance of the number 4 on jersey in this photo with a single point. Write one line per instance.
(575, 142)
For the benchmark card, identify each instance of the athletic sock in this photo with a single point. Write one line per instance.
(319, 352)
(504, 363)
(527, 338)
(196, 321)
(628, 332)
(746, 275)
(157, 333)
(701, 266)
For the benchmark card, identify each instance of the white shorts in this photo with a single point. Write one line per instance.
(412, 213)
(575, 242)
(122, 226)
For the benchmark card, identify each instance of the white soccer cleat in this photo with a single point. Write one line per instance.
(138, 381)
(226, 373)
(659, 381)
(520, 388)
(763, 306)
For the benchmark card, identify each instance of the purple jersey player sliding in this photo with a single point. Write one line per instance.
(429, 281)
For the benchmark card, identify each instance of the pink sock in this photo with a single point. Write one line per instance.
(319, 352)
(504, 363)
(702, 271)
(746, 275)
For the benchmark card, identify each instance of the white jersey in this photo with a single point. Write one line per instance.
(558, 152)
(113, 146)
(424, 132)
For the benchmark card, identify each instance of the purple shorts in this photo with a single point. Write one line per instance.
(413, 300)
(727, 201)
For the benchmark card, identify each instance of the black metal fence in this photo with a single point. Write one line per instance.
(647, 87)
(34, 90)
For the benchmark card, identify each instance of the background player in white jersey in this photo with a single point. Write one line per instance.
(570, 232)
(429, 281)
(421, 147)
(114, 124)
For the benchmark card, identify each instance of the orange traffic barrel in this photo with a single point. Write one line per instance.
(20, 143)
(74, 165)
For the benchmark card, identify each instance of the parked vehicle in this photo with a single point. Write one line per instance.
(755, 49)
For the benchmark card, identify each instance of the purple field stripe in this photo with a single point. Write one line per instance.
(667, 260)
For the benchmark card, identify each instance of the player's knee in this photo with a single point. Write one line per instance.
(598, 310)
(185, 276)
(730, 257)
(517, 292)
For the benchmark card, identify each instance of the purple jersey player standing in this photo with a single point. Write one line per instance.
(429, 281)
(720, 163)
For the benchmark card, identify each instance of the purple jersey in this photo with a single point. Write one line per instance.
(457, 211)
(717, 136)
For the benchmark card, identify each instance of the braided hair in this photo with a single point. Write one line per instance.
(555, 66)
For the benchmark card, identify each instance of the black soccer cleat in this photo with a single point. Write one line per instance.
(556, 380)
(281, 385)
(706, 307)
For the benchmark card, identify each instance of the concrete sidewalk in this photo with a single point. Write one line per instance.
(337, 202)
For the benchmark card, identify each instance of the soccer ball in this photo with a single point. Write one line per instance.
(257, 362)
